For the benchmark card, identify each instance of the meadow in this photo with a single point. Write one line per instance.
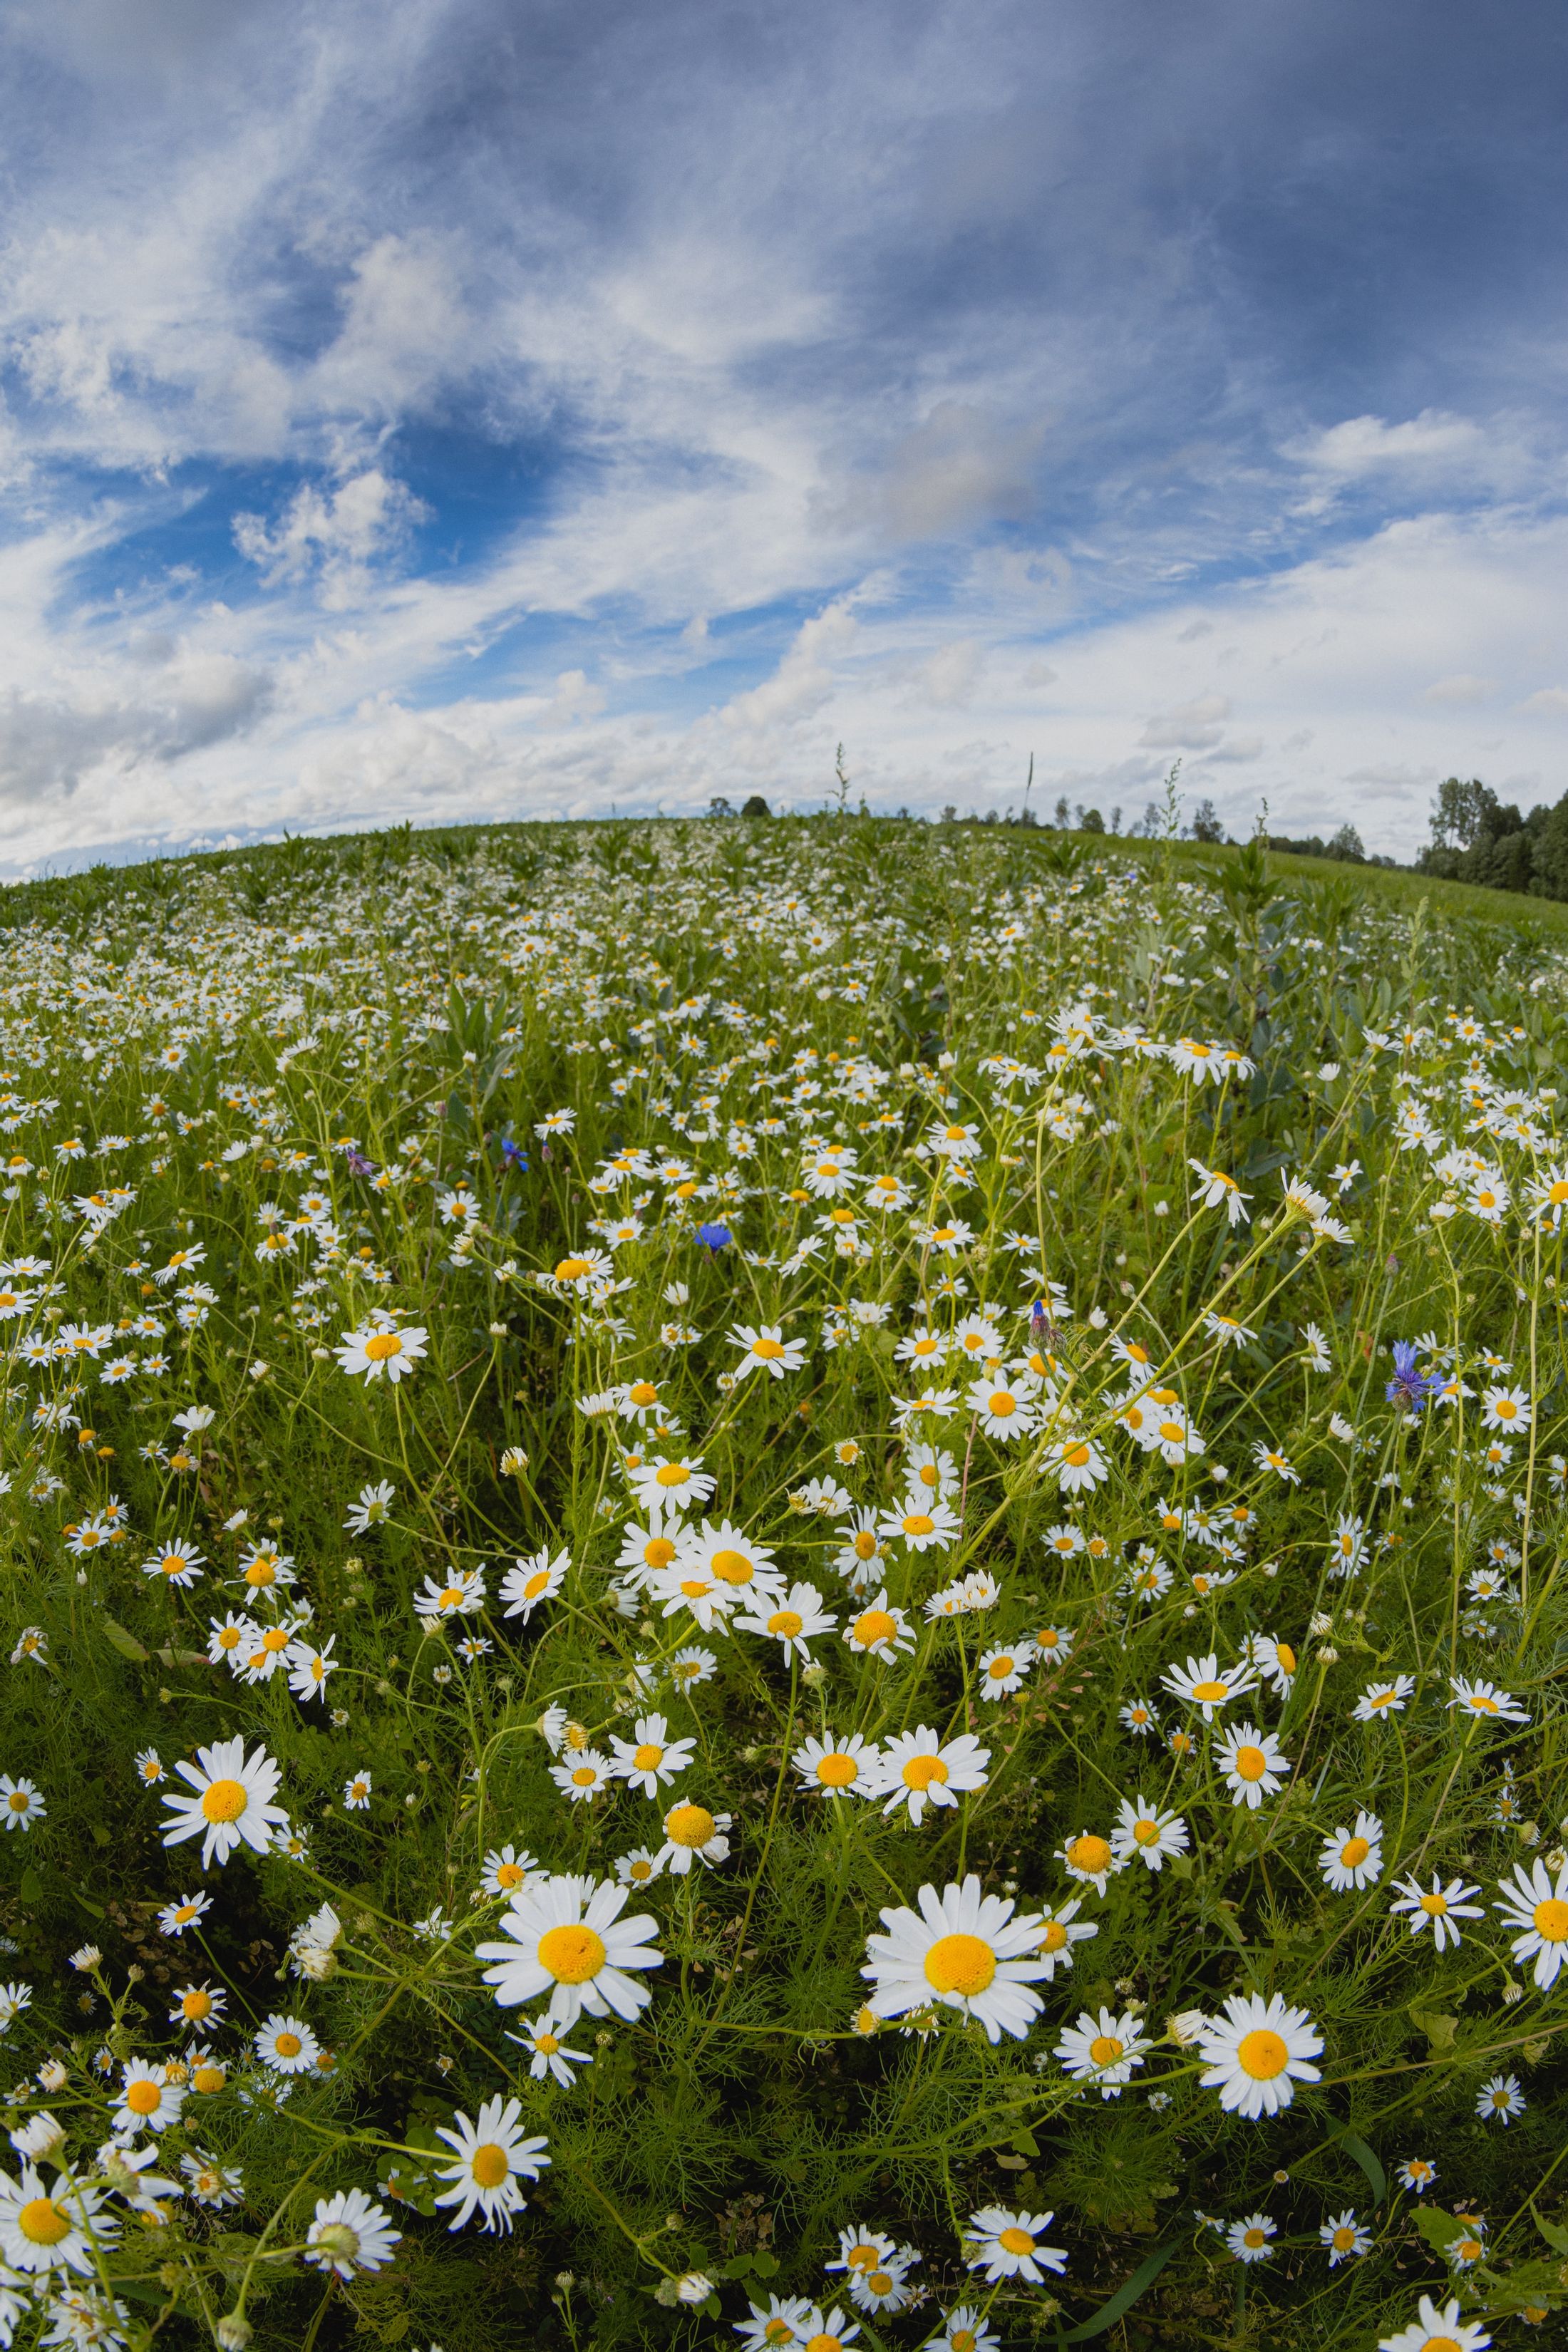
(793, 1584)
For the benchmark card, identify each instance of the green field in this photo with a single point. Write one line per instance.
(728, 1623)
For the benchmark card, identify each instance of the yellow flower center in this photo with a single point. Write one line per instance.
(658, 1551)
(642, 1392)
(1000, 1668)
(1003, 1403)
(288, 2045)
(225, 1801)
(1262, 2054)
(1286, 1657)
(1075, 1456)
(382, 1344)
(571, 1953)
(584, 1776)
(277, 1637)
(1355, 1851)
(865, 1545)
(916, 1523)
(142, 2098)
(261, 1572)
(1105, 2050)
(1146, 1832)
(786, 1622)
(172, 1562)
(196, 2004)
(768, 1349)
(672, 1473)
(874, 1626)
(648, 1756)
(921, 1770)
(1343, 2240)
(1550, 1920)
(531, 1591)
(732, 1566)
(1171, 1431)
(511, 1874)
(689, 1825)
(837, 1771)
(1434, 1905)
(571, 1269)
(1090, 1854)
(1250, 1763)
(18, 1800)
(489, 2163)
(824, 2343)
(41, 2222)
(961, 1964)
(1013, 2241)
(1055, 1937)
(208, 2079)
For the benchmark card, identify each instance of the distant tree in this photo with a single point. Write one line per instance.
(1347, 845)
(756, 806)
(1116, 820)
(1463, 814)
(1089, 820)
(949, 814)
(720, 806)
(1063, 813)
(1204, 825)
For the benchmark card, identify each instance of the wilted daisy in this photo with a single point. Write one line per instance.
(962, 1950)
(1537, 1903)
(232, 1805)
(1102, 2048)
(917, 1769)
(1256, 2053)
(492, 2159)
(567, 1938)
(350, 2232)
(1439, 1906)
(692, 1833)
(1011, 2245)
(1353, 1858)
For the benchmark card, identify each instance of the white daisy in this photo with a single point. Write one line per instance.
(1437, 1907)
(492, 2158)
(1142, 1830)
(232, 1805)
(1256, 2053)
(1538, 1904)
(918, 1768)
(1437, 2329)
(529, 1582)
(286, 2045)
(1008, 2245)
(1059, 1932)
(961, 1949)
(1102, 2048)
(1251, 1764)
(568, 1938)
(839, 1767)
(1353, 1858)
(692, 1833)
(350, 2232)
(791, 1620)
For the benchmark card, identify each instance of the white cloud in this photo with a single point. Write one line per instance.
(1190, 725)
(1464, 686)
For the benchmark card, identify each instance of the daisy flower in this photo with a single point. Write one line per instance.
(962, 1950)
(180, 1563)
(1276, 1660)
(567, 1938)
(1251, 1764)
(1437, 1907)
(1344, 2238)
(779, 2327)
(1417, 2174)
(918, 1767)
(183, 1913)
(825, 2331)
(650, 1759)
(638, 1868)
(356, 1793)
(726, 1553)
(1003, 1409)
(21, 1804)
(860, 2249)
(287, 2045)
(550, 2054)
(672, 1483)
(373, 1509)
(1139, 1719)
(1500, 2100)
(1053, 1644)
(1437, 2329)
(692, 1833)
(1505, 1409)
(45, 2230)
(1256, 2053)
(1142, 1828)
(1008, 2245)
(644, 1552)
(1249, 2240)
(232, 1805)
(1352, 1859)
(1000, 1673)
(879, 1631)
(1147, 1579)
(530, 1581)
(1269, 1457)
(583, 1776)
(349, 2233)
(1537, 1903)
(1089, 1857)
(379, 1350)
(492, 2158)
(1102, 2048)
(1077, 1464)
(1380, 1699)
(920, 1522)
(147, 2099)
(198, 2006)
(792, 1621)
(690, 1586)
(764, 1348)
(963, 2329)
(839, 1767)
(1201, 1684)
(1485, 1700)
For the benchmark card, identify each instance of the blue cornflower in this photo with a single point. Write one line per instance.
(358, 1164)
(714, 1237)
(512, 1154)
(1410, 1388)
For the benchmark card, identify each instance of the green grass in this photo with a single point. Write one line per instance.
(259, 1102)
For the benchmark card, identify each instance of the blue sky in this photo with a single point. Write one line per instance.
(460, 409)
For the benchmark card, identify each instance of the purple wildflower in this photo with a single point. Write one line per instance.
(1410, 1388)
(714, 1237)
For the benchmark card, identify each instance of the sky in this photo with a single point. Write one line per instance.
(451, 409)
